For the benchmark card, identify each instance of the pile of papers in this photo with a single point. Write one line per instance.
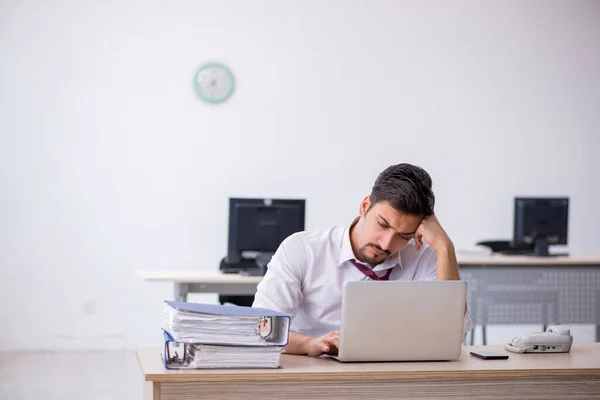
(211, 356)
(216, 336)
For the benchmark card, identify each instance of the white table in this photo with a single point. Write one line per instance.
(196, 281)
(502, 289)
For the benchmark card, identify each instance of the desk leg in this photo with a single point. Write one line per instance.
(597, 333)
(472, 340)
(181, 291)
(483, 335)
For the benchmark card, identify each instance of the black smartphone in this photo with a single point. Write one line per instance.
(489, 355)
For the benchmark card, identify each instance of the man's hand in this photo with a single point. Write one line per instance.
(328, 344)
(431, 230)
(436, 237)
(299, 343)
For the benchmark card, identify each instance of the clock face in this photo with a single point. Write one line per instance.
(214, 82)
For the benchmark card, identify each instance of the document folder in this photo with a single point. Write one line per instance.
(217, 336)
(200, 356)
(225, 325)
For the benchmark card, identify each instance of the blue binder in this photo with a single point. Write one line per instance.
(275, 333)
(217, 309)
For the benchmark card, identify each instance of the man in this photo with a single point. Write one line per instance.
(396, 236)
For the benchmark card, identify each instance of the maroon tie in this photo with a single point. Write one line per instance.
(369, 272)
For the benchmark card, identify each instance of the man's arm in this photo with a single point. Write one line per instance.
(436, 237)
(447, 266)
(438, 240)
(281, 290)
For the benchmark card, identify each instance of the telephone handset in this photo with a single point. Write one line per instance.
(556, 339)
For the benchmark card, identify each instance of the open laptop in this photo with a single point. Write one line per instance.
(402, 321)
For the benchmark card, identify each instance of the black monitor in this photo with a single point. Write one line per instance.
(540, 222)
(256, 229)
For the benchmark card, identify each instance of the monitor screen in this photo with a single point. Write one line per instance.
(260, 225)
(541, 219)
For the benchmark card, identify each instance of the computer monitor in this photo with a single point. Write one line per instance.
(541, 222)
(256, 229)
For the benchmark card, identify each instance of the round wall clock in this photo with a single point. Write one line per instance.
(214, 82)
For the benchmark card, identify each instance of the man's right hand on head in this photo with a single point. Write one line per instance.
(328, 344)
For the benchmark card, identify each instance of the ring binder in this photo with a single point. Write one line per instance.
(170, 360)
(215, 336)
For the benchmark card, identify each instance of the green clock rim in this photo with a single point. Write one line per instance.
(229, 74)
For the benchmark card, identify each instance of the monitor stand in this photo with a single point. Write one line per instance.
(262, 260)
(540, 248)
(251, 272)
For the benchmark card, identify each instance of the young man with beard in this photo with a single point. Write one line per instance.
(396, 236)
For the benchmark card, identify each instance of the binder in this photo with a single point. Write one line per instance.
(217, 336)
(175, 358)
(225, 325)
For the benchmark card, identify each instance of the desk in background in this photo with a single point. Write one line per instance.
(194, 281)
(574, 375)
(533, 290)
(501, 290)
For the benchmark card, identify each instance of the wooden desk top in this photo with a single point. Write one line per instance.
(584, 359)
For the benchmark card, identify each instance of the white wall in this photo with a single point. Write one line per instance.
(110, 163)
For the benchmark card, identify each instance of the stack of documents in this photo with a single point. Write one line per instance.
(216, 336)
(210, 356)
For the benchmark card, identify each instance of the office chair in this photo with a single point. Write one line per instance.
(245, 301)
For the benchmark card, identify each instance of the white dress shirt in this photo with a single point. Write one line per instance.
(306, 276)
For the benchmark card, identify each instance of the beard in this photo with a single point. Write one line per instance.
(375, 259)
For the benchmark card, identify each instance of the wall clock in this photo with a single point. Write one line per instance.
(214, 82)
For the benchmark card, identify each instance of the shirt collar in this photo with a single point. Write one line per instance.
(346, 253)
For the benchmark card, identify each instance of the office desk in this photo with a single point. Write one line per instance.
(502, 289)
(194, 281)
(574, 375)
(538, 290)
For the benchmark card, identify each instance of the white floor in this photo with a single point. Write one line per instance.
(105, 375)
(115, 375)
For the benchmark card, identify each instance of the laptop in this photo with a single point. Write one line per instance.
(402, 321)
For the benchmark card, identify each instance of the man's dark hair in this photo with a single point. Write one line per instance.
(406, 187)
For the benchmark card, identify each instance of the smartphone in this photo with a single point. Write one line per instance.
(489, 355)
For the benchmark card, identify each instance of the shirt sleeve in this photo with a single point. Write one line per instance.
(281, 288)
(427, 271)
(427, 266)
